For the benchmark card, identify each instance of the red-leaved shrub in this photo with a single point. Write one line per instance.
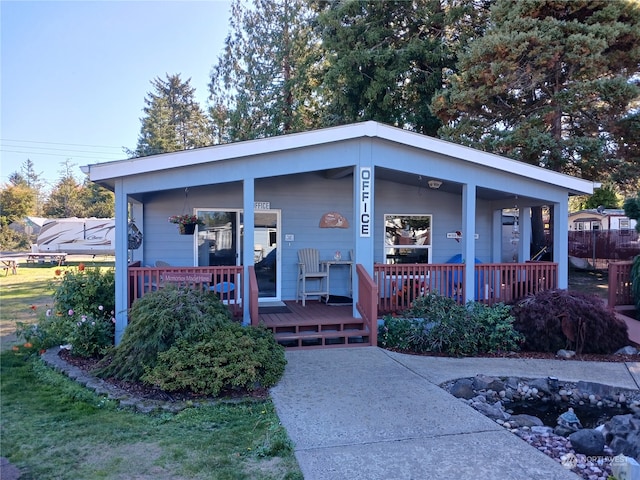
(589, 326)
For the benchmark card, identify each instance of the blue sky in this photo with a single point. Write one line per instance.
(74, 74)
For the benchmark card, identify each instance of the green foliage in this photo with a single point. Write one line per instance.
(635, 281)
(539, 319)
(377, 70)
(398, 332)
(11, 239)
(92, 337)
(605, 196)
(173, 120)
(156, 322)
(51, 330)
(96, 200)
(436, 323)
(16, 202)
(65, 198)
(229, 357)
(88, 336)
(86, 290)
(53, 427)
(548, 83)
(264, 82)
(632, 209)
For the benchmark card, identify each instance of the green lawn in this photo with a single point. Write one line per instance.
(52, 428)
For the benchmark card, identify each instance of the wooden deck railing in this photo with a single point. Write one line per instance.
(620, 283)
(226, 282)
(367, 304)
(398, 285)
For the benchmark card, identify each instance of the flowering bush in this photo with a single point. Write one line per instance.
(84, 290)
(82, 315)
(185, 219)
(92, 337)
(88, 336)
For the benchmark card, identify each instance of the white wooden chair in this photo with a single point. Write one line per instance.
(309, 268)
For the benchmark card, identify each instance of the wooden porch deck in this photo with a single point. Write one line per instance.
(315, 325)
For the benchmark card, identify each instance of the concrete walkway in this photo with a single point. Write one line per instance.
(367, 413)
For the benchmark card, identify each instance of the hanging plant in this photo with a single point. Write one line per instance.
(186, 223)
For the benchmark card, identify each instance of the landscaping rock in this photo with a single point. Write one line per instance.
(540, 384)
(485, 382)
(587, 441)
(622, 434)
(628, 350)
(462, 388)
(493, 411)
(524, 420)
(566, 354)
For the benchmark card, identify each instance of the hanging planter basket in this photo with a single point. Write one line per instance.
(187, 229)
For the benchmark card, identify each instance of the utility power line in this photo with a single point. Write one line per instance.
(58, 143)
(68, 155)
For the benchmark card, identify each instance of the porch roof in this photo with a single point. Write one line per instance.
(106, 173)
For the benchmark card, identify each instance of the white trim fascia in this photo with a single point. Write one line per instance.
(141, 165)
(484, 159)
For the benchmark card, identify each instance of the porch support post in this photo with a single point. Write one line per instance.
(121, 272)
(364, 221)
(524, 246)
(468, 239)
(496, 231)
(248, 199)
(561, 241)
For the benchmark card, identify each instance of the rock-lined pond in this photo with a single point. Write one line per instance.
(582, 425)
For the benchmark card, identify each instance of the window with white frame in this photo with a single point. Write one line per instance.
(407, 238)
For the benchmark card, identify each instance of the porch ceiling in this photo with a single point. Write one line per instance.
(421, 182)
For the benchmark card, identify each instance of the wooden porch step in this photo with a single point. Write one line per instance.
(310, 334)
(317, 325)
(323, 339)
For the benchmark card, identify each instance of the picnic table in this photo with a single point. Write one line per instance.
(9, 263)
(52, 257)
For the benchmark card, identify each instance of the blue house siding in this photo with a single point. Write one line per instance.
(306, 175)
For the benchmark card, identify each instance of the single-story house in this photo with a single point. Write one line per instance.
(601, 219)
(386, 209)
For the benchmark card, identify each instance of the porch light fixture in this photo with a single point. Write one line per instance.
(434, 184)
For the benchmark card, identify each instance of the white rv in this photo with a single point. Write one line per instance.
(82, 236)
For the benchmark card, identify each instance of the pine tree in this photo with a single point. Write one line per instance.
(547, 83)
(384, 61)
(262, 85)
(64, 199)
(173, 119)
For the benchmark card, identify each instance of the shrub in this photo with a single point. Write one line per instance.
(397, 333)
(89, 336)
(539, 319)
(156, 322)
(230, 357)
(84, 289)
(635, 281)
(436, 323)
(92, 337)
(51, 330)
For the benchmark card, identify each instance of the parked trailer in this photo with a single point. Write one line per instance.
(81, 236)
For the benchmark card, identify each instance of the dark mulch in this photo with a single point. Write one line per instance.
(150, 392)
(586, 357)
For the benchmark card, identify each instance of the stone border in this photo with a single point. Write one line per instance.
(125, 399)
